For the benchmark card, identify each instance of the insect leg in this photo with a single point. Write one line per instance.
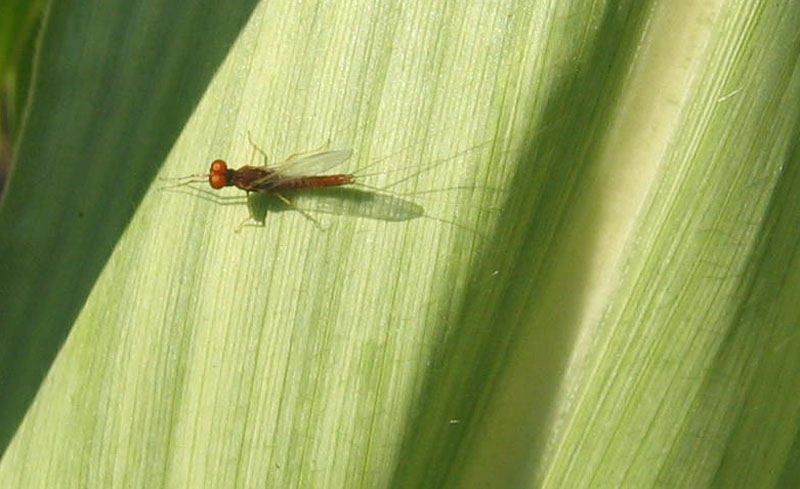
(257, 148)
(301, 211)
(252, 217)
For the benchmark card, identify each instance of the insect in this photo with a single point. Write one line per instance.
(307, 171)
(299, 171)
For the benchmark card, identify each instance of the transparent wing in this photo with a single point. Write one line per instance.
(310, 164)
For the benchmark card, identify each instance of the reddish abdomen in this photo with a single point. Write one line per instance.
(312, 182)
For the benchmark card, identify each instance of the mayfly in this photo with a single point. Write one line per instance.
(303, 171)
(298, 172)
(307, 171)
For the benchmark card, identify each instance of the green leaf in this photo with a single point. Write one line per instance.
(18, 25)
(601, 291)
(113, 87)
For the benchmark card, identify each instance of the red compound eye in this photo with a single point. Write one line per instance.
(218, 174)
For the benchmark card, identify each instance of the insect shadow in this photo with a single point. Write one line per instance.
(339, 201)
